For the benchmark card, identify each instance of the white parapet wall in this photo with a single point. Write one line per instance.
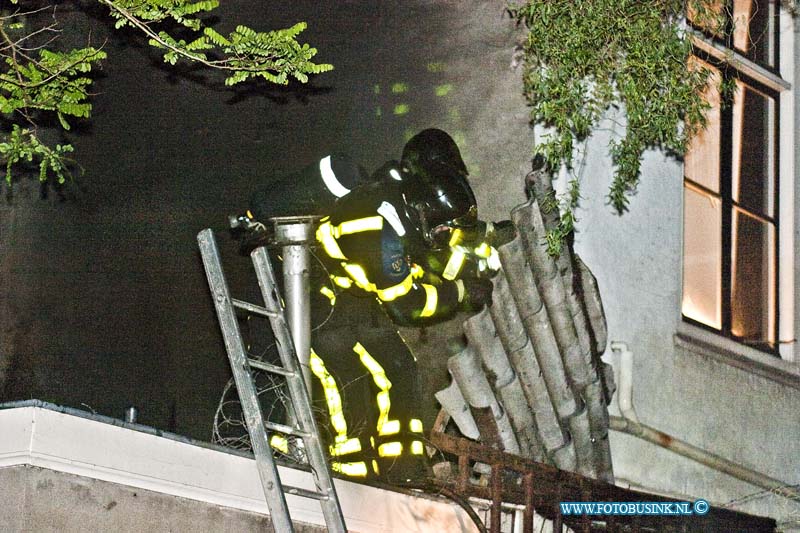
(46, 437)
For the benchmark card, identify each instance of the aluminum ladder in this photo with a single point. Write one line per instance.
(242, 365)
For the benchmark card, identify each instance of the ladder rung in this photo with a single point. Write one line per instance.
(302, 422)
(286, 430)
(296, 491)
(267, 367)
(256, 309)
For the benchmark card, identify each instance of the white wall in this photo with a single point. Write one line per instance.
(741, 405)
(106, 463)
(681, 389)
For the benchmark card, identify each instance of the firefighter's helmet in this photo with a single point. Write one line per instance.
(435, 186)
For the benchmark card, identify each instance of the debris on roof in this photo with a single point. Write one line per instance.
(529, 380)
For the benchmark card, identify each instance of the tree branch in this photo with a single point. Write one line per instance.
(222, 64)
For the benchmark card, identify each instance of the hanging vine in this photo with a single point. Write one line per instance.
(585, 59)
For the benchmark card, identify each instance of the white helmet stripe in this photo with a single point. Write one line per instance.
(330, 179)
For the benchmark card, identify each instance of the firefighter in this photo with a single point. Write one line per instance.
(409, 240)
(405, 243)
(405, 235)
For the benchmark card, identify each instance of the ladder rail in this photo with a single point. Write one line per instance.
(267, 470)
(242, 365)
(298, 390)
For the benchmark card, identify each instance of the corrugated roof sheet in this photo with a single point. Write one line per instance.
(529, 380)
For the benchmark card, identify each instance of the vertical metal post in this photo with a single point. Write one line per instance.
(497, 497)
(294, 234)
(528, 516)
(558, 521)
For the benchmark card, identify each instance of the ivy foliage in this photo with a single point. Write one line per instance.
(583, 59)
(37, 80)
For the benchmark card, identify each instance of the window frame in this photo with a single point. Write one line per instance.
(767, 81)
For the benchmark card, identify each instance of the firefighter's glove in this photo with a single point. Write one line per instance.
(477, 293)
(253, 238)
(500, 233)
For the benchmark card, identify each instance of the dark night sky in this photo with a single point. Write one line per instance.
(106, 300)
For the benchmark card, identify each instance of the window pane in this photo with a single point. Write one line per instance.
(752, 279)
(753, 146)
(702, 258)
(753, 29)
(701, 163)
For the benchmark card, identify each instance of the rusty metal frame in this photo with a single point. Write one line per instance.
(540, 488)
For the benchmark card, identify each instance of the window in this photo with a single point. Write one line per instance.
(730, 254)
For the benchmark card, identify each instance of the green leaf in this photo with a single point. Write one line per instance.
(215, 37)
(62, 121)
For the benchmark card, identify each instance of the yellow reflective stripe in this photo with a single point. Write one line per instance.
(358, 469)
(345, 446)
(454, 265)
(461, 290)
(417, 448)
(395, 291)
(416, 271)
(280, 443)
(250, 215)
(358, 225)
(332, 396)
(431, 300)
(391, 427)
(484, 250)
(384, 404)
(375, 466)
(372, 365)
(415, 425)
(327, 292)
(326, 237)
(342, 281)
(383, 383)
(390, 449)
(359, 276)
(338, 421)
(455, 238)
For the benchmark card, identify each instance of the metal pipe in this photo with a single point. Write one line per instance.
(625, 393)
(703, 457)
(629, 423)
(294, 234)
